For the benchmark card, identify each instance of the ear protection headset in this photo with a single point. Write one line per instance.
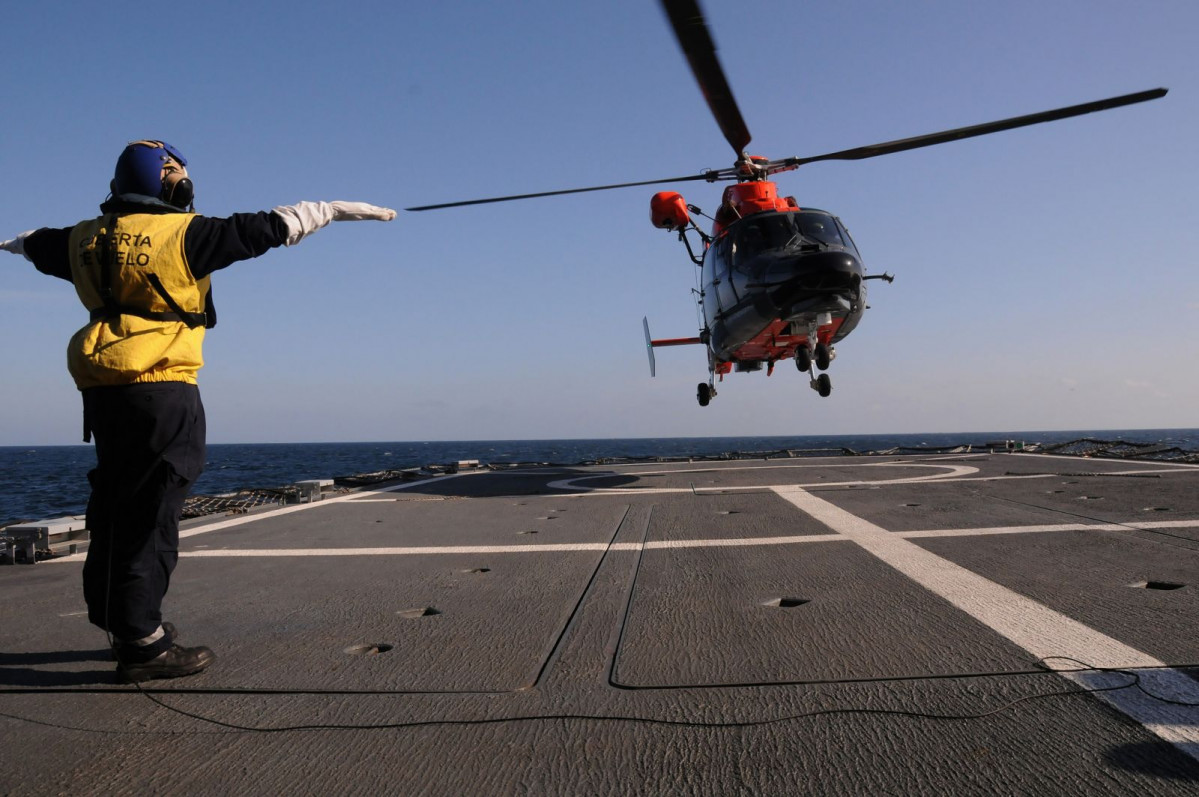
(156, 169)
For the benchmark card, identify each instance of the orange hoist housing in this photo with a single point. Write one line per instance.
(668, 210)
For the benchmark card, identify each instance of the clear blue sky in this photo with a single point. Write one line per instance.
(1046, 277)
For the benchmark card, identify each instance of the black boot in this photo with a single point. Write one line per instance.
(173, 663)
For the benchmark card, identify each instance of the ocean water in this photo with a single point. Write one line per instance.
(51, 481)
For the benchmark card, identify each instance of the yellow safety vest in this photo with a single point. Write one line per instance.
(147, 309)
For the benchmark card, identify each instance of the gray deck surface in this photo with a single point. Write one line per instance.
(866, 625)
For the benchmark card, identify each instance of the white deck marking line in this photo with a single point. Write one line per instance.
(1163, 524)
(572, 484)
(963, 457)
(1139, 471)
(287, 510)
(851, 464)
(826, 466)
(560, 548)
(1149, 465)
(1132, 524)
(979, 532)
(1104, 459)
(1041, 631)
(401, 551)
(566, 547)
(740, 541)
(737, 542)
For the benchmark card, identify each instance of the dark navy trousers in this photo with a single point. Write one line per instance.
(149, 450)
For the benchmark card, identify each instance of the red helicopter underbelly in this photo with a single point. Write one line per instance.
(774, 343)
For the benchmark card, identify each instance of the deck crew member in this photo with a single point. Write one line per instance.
(143, 269)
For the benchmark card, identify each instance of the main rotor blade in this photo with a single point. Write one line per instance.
(710, 176)
(692, 32)
(929, 140)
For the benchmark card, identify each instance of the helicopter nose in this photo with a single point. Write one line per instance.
(830, 271)
(814, 279)
(817, 272)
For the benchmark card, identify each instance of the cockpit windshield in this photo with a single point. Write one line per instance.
(819, 226)
(767, 231)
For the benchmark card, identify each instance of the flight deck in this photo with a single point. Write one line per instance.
(933, 624)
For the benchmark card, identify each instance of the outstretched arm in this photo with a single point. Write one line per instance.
(213, 243)
(305, 218)
(45, 248)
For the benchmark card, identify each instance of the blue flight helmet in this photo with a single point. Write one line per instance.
(154, 169)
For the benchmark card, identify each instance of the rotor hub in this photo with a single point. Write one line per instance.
(752, 167)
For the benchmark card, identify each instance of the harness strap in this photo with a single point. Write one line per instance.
(112, 308)
(192, 320)
(110, 229)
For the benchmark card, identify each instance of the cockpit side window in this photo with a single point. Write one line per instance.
(848, 240)
(820, 227)
(717, 273)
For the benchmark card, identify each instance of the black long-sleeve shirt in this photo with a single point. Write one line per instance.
(209, 243)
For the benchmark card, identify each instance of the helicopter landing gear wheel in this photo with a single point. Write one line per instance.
(823, 356)
(823, 385)
(704, 393)
(803, 359)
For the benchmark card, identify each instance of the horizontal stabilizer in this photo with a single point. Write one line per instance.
(676, 342)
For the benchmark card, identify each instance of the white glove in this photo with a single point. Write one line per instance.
(17, 245)
(305, 218)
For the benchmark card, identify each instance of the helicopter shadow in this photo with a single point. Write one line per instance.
(1157, 758)
(515, 483)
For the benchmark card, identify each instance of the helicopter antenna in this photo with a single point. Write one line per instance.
(699, 305)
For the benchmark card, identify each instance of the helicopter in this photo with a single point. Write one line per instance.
(777, 281)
